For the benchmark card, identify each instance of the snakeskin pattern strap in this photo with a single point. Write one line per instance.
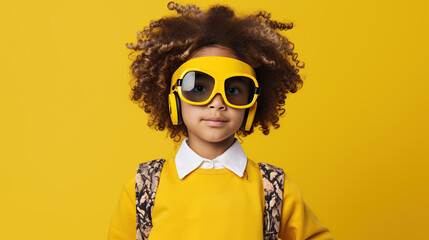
(273, 179)
(147, 179)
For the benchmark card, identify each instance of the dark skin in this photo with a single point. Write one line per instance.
(208, 136)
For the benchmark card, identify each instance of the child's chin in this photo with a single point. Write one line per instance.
(216, 138)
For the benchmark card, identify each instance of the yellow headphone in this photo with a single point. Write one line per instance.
(198, 80)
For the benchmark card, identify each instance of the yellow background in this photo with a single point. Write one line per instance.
(355, 137)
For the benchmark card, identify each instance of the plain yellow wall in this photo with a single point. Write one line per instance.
(355, 137)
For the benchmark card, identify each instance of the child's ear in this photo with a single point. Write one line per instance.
(174, 108)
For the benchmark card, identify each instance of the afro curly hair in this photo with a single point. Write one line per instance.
(170, 41)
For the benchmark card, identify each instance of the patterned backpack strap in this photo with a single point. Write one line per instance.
(273, 180)
(147, 179)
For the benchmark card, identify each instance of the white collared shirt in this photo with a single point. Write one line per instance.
(233, 158)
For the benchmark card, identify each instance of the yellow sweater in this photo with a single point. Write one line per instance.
(215, 204)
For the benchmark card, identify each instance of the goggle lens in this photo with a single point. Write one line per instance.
(198, 87)
(239, 90)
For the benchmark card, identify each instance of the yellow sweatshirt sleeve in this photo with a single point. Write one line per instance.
(298, 222)
(123, 223)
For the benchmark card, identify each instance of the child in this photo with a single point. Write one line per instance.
(207, 76)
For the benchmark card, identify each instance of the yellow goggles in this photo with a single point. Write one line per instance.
(200, 79)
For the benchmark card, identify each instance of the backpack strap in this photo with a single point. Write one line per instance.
(147, 179)
(273, 180)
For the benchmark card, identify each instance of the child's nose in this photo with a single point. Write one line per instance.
(217, 102)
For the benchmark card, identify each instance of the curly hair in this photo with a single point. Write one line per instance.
(168, 42)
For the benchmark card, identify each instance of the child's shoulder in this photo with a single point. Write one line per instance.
(290, 188)
(155, 163)
(264, 166)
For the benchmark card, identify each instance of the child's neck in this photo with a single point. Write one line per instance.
(209, 150)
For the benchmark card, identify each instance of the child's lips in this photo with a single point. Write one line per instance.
(215, 121)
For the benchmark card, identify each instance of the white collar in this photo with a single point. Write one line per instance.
(233, 158)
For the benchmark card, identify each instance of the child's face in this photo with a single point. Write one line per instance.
(216, 121)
